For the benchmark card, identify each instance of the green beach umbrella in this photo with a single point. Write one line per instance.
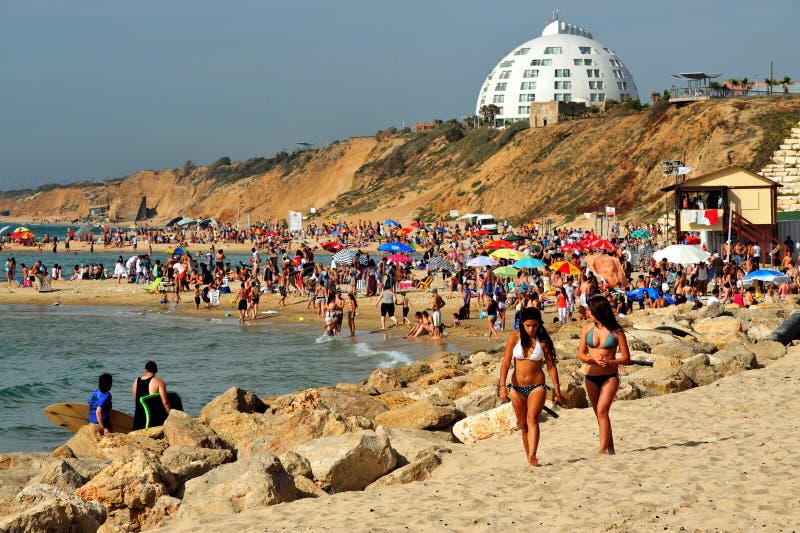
(505, 272)
(641, 234)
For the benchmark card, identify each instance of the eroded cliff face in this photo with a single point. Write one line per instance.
(562, 170)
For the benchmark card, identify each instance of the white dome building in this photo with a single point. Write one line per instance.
(564, 64)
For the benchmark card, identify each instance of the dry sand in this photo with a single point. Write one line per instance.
(721, 457)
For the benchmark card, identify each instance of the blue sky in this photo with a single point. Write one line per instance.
(96, 89)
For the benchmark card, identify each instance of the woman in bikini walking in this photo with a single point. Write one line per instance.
(600, 338)
(530, 348)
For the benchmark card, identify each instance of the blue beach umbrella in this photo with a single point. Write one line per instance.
(395, 247)
(391, 222)
(637, 295)
(529, 262)
(769, 276)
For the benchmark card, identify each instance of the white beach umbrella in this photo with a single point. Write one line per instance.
(344, 257)
(482, 261)
(682, 254)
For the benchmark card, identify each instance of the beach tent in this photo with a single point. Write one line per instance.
(185, 221)
(173, 222)
(206, 222)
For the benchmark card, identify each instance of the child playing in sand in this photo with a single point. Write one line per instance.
(456, 321)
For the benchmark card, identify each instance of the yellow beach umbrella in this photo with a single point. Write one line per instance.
(565, 268)
(506, 253)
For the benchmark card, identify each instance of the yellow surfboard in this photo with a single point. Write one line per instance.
(71, 416)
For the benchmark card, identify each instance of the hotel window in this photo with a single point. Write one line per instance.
(504, 75)
(500, 111)
(592, 72)
(485, 88)
(500, 87)
(553, 50)
(585, 49)
(562, 97)
(596, 85)
(615, 63)
(528, 86)
(524, 110)
(522, 51)
(618, 74)
(483, 101)
(541, 62)
(563, 85)
(530, 73)
(562, 73)
(527, 97)
(505, 64)
(582, 62)
(597, 97)
(499, 99)
(622, 85)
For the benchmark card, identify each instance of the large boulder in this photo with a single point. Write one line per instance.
(420, 469)
(349, 403)
(164, 508)
(424, 414)
(233, 400)
(479, 401)
(737, 351)
(41, 507)
(286, 431)
(256, 481)
(700, 371)
(18, 469)
(712, 310)
(187, 462)
(134, 483)
(61, 474)
(182, 429)
(349, 462)
(386, 379)
(768, 351)
(658, 381)
(296, 465)
(410, 445)
(717, 325)
(89, 441)
(493, 423)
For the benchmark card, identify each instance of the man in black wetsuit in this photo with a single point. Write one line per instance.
(146, 385)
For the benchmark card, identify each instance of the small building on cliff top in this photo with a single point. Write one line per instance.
(731, 200)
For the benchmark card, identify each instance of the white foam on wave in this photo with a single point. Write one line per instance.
(389, 358)
(323, 339)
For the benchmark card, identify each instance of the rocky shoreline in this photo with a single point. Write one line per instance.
(244, 452)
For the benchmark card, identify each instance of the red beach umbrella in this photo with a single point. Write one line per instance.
(400, 258)
(332, 246)
(496, 245)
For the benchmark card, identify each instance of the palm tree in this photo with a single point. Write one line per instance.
(770, 82)
(746, 84)
(786, 81)
(488, 112)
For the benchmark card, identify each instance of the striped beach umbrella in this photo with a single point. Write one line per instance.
(344, 257)
(438, 262)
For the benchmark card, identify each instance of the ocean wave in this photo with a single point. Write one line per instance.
(389, 358)
(27, 391)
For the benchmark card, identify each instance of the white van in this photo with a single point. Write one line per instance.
(481, 220)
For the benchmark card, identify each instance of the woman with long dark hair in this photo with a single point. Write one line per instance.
(531, 348)
(601, 337)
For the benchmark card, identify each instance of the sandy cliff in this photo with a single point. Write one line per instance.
(565, 169)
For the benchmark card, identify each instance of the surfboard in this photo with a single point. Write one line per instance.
(71, 416)
(154, 411)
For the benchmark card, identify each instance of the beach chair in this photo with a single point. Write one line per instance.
(425, 284)
(153, 287)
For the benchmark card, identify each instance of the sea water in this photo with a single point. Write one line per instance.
(55, 354)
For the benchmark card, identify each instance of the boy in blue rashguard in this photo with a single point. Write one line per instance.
(100, 404)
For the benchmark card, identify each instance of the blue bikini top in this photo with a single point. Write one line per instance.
(611, 340)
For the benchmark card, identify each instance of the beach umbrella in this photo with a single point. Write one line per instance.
(565, 268)
(363, 259)
(391, 222)
(21, 229)
(513, 238)
(681, 254)
(482, 261)
(438, 262)
(395, 247)
(400, 258)
(332, 246)
(505, 272)
(571, 248)
(483, 232)
(344, 257)
(641, 234)
(497, 244)
(505, 253)
(4, 229)
(22, 235)
(406, 231)
(177, 251)
(529, 262)
(85, 229)
(692, 239)
(769, 276)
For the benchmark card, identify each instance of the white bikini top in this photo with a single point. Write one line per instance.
(537, 354)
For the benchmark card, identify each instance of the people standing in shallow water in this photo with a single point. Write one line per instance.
(143, 386)
(530, 348)
(100, 404)
(600, 338)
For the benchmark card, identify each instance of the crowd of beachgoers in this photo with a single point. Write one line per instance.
(387, 260)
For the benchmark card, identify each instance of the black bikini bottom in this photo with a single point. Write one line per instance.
(525, 390)
(599, 380)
